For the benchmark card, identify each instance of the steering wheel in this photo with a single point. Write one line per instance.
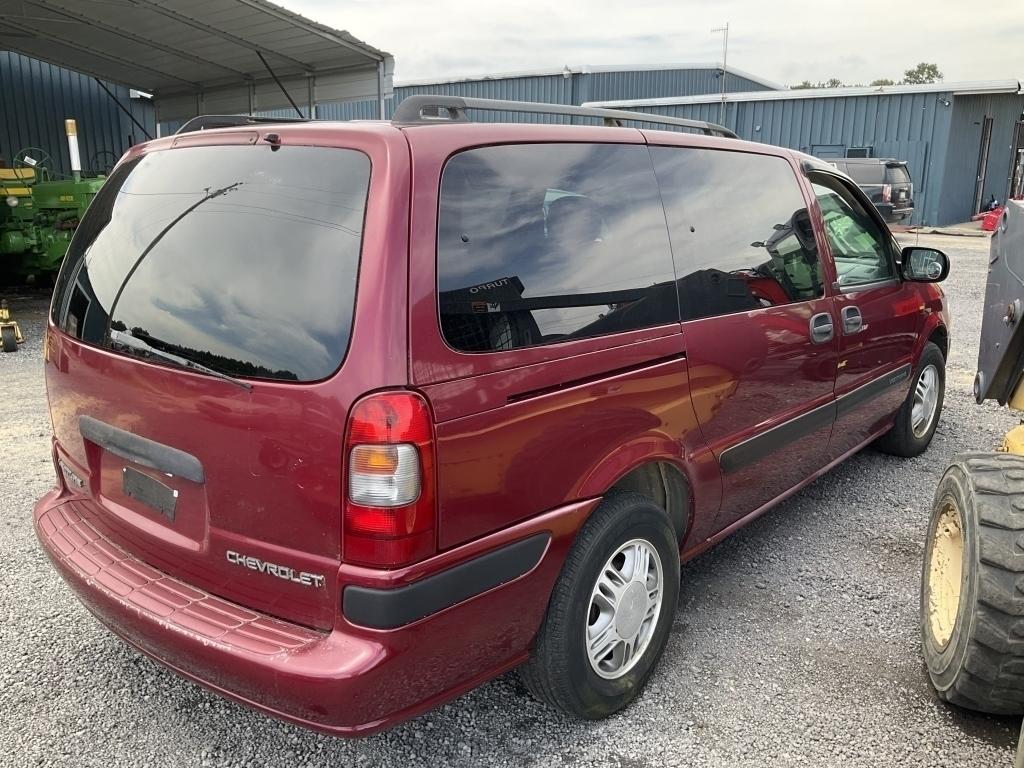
(104, 168)
(33, 159)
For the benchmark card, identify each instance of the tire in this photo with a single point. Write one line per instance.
(973, 641)
(10, 341)
(902, 440)
(560, 672)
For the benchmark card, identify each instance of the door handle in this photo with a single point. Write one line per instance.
(853, 321)
(821, 328)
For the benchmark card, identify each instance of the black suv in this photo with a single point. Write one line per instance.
(887, 182)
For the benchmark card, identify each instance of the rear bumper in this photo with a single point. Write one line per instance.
(350, 681)
(892, 214)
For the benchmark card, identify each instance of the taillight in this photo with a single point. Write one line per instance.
(390, 502)
(887, 193)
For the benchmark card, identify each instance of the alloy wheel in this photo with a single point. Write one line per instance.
(926, 400)
(625, 604)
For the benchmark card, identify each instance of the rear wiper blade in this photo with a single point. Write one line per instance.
(139, 345)
(153, 243)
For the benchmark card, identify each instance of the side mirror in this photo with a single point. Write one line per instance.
(924, 265)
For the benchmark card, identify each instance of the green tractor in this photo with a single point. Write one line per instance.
(40, 211)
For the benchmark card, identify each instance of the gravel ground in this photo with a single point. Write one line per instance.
(796, 642)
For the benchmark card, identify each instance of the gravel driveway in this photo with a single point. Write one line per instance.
(796, 641)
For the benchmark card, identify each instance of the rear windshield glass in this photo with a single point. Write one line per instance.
(866, 173)
(239, 258)
(898, 174)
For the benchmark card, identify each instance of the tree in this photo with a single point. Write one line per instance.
(832, 82)
(921, 74)
(882, 81)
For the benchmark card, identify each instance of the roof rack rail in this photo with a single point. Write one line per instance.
(206, 122)
(425, 109)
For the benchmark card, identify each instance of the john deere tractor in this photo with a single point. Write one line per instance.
(972, 591)
(40, 210)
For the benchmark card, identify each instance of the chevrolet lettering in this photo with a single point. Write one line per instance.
(281, 571)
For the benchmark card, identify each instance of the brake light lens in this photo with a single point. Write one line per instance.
(390, 504)
(887, 193)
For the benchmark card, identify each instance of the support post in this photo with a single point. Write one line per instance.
(123, 108)
(71, 129)
(725, 61)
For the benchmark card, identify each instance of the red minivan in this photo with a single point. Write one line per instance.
(351, 417)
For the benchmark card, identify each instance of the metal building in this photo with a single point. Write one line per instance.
(36, 98)
(963, 142)
(569, 85)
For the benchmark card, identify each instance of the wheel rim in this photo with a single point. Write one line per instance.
(624, 608)
(945, 573)
(926, 400)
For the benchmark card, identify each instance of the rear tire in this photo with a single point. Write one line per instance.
(910, 437)
(972, 590)
(562, 671)
(10, 340)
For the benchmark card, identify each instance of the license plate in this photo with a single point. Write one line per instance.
(150, 492)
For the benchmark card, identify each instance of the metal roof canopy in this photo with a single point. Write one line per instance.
(200, 56)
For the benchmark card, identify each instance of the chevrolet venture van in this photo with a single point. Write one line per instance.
(350, 418)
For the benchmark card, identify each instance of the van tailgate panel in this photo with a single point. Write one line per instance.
(269, 489)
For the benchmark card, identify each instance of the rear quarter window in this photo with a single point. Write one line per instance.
(541, 243)
(240, 258)
(897, 174)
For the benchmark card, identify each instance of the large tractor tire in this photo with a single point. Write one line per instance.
(972, 588)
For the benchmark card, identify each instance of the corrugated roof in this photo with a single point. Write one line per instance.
(586, 69)
(173, 48)
(956, 89)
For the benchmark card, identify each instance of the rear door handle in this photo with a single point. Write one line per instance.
(821, 328)
(853, 321)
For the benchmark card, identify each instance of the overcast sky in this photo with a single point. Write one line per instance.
(786, 41)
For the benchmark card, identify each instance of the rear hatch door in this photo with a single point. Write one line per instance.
(199, 320)
(897, 175)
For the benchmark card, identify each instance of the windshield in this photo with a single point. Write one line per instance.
(242, 259)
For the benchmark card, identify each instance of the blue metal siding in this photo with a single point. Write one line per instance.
(553, 89)
(577, 88)
(663, 83)
(957, 200)
(36, 99)
(352, 110)
(911, 127)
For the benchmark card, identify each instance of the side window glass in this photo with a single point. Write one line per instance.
(859, 247)
(541, 243)
(741, 234)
